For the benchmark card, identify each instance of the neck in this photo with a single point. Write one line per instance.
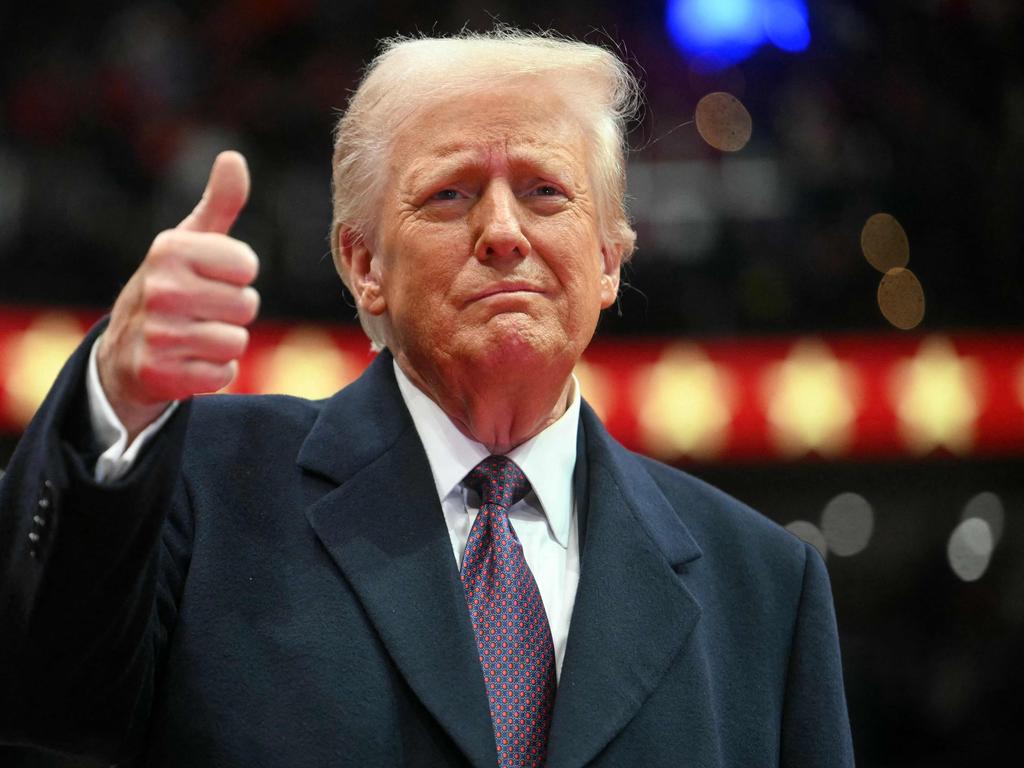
(498, 411)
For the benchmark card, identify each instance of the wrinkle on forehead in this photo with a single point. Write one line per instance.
(542, 158)
(520, 121)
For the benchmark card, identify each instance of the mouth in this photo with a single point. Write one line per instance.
(505, 289)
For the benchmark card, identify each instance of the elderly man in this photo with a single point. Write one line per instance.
(449, 562)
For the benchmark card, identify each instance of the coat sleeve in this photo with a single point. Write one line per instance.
(815, 723)
(89, 578)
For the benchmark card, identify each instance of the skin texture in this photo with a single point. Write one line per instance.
(487, 259)
(178, 327)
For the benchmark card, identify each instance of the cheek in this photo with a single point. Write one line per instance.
(423, 279)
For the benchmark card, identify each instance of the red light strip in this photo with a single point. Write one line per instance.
(889, 395)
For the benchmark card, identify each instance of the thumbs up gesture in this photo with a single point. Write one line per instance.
(179, 326)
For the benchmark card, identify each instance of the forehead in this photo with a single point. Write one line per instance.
(512, 124)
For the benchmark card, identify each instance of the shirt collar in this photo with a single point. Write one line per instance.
(547, 459)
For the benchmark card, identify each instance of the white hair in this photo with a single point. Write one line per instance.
(412, 73)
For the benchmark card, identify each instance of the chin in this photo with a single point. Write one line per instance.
(517, 339)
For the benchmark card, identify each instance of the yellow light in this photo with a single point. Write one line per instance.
(685, 405)
(937, 397)
(723, 121)
(901, 298)
(306, 363)
(811, 401)
(884, 242)
(35, 359)
(594, 387)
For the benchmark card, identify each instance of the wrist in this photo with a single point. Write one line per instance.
(133, 413)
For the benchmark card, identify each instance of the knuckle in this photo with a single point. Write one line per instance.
(160, 335)
(241, 339)
(235, 342)
(159, 293)
(253, 263)
(242, 264)
(151, 288)
(166, 244)
(250, 304)
(211, 377)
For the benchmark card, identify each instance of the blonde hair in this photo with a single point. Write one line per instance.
(411, 73)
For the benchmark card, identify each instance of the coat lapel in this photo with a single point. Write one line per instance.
(633, 612)
(632, 615)
(384, 528)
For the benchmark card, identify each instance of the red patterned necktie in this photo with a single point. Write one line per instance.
(512, 632)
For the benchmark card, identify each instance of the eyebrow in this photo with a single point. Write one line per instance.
(449, 159)
(438, 163)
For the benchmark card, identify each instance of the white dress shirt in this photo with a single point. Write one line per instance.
(544, 521)
(111, 435)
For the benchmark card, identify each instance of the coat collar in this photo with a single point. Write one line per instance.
(357, 425)
(633, 610)
(384, 528)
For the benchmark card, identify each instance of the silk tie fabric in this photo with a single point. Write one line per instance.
(511, 627)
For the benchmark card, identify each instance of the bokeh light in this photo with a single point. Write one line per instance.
(811, 401)
(37, 357)
(901, 298)
(987, 506)
(970, 549)
(884, 242)
(785, 24)
(685, 405)
(937, 395)
(595, 388)
(847, 523)
(718, 33)
(723, 121)
(306, 364)
(810, 533)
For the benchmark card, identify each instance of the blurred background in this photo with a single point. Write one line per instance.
(757, 342)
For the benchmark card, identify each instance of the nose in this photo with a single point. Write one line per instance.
(500, 234)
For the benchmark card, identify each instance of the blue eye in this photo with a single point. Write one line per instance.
(447, 194)
(547, 190)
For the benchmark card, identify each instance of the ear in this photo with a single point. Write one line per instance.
(611, 262)
(359, 269)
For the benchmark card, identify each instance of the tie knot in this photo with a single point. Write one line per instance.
(499, 481)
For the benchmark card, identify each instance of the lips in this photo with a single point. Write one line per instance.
(505, 288)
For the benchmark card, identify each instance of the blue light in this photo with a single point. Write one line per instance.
(717, 33)
(785, 24)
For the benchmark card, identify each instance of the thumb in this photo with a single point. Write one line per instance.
(224, 196)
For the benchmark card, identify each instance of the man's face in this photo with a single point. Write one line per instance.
(487, 248)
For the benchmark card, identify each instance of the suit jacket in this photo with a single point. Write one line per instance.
(273, 585)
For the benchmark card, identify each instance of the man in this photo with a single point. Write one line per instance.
(450, 562)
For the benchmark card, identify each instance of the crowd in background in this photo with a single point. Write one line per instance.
(109, 119)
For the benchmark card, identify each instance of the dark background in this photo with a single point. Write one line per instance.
(110, 114)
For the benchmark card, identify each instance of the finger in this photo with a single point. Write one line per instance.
(209, 254)
(197, 377)
(180, 379)
(170, 343)
(224, 196)
(216, 342)
(221, 302)
(184, 297)
(225, 259)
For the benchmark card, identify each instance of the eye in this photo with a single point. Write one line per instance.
(446, 194)
(546, 190)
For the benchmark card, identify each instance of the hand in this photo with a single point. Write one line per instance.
(178, 327)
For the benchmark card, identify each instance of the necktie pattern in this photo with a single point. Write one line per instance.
(512, 632)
